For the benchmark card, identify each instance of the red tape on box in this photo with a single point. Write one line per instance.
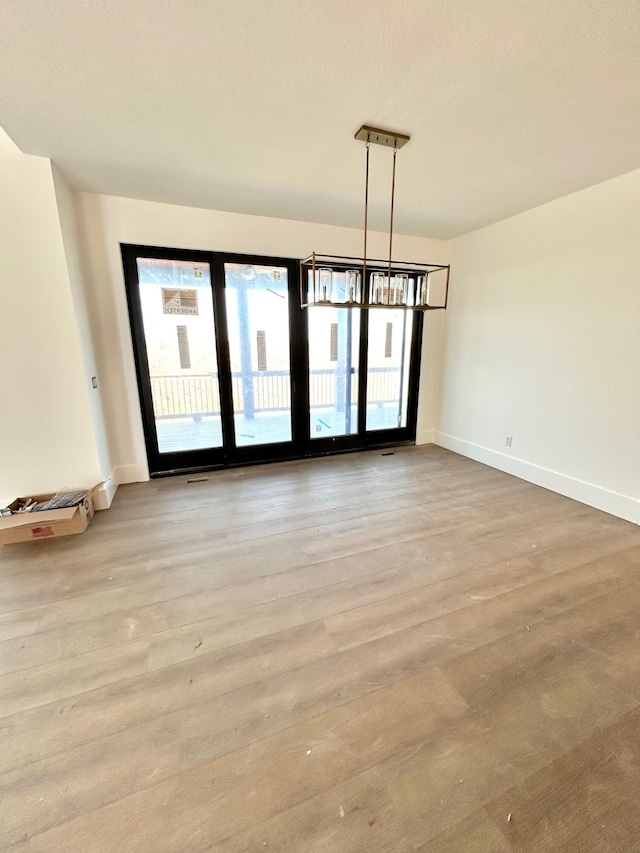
(41, 532)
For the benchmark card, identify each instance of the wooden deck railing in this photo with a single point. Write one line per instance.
(186, 395)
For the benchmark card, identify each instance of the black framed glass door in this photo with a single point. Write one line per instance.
(231, 370)
(334, 355)
(213, 346)
(264, 376)
(363, 377)
(389, 358)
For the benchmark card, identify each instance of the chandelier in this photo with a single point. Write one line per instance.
(330, 280)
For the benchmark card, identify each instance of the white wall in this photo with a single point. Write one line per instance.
(46, 431)
(86, 326)
(542, 343)
(107, 221)
(430, 376)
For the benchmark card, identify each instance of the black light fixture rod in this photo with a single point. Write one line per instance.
(393, 192)
(366, 220)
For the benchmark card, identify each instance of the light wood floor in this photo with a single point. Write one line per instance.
(358, 653)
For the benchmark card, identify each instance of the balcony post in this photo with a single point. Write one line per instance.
(248, 399)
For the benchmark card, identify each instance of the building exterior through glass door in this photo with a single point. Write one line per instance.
(334, 343)
(180, 339)
(389, 344)
(257, 303)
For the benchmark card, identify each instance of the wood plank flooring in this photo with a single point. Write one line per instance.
(351, 654)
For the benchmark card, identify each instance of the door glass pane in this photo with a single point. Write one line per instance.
(258, 320)
(180, 339)
(334, 341)
(389, 348)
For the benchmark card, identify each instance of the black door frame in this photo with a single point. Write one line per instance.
(301, 445)
(263, 452)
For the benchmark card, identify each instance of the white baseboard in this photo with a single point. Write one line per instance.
(131, 474)
(426, 436)
(103, 498)
(614, 503)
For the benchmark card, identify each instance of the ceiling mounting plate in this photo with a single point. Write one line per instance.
(378, 136)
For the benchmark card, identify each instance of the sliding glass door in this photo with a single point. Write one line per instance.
(334, 352)
(257, 307)
(231, 369)
(213, 345)
(388, 369)
(180, 349)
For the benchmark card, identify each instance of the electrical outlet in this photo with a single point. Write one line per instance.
(508, 440)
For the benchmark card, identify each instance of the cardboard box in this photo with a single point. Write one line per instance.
(48, 524)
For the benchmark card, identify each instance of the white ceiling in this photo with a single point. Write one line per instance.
(251, 105)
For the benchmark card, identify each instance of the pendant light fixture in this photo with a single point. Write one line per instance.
(330, 280)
